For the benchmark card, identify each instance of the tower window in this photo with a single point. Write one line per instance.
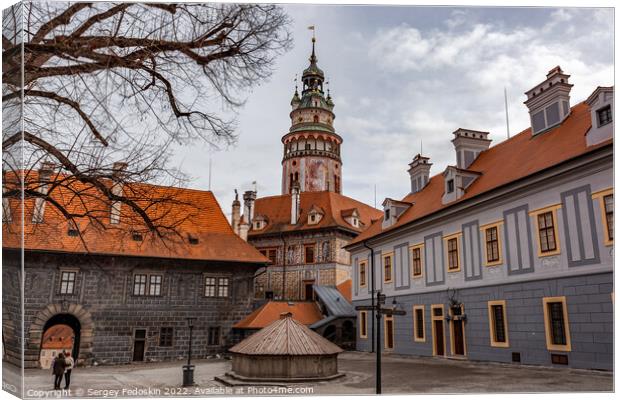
(316, 118)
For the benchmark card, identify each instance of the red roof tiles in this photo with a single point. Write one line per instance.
(508, 161)
(190, 212)
(277, 209)
(305, 312)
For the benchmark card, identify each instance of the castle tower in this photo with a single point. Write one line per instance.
(312, 147)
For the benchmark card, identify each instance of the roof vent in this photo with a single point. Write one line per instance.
(285, 315)
(136, 236)
(549, 101)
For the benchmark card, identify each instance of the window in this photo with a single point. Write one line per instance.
(192, 239)
(556, 324)
(546, 233)
(416, 261)
(603, 115)
(493, 248)
(498, 325)
(67, 282)
(136, 236)
(608, 202)
(387, 214)
(222, 287)
(450, 187)
(362, 273)
(165, 336)
(387, 268)
(214, 336)
(217, 286)
(309, 253)
(271, 254)
(363, 324)
(418, 324)
(210, 285)
(155, 285)
(139, 285)
(452, 244)
(547, 230)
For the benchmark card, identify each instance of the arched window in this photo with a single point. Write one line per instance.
(316, 118)
(296, 176)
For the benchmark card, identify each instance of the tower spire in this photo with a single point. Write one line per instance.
(313, 59)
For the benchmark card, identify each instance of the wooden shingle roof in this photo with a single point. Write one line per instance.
(286, 337)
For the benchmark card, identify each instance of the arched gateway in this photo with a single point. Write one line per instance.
(73, 315)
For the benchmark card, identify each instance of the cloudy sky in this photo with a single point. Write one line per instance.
(401, 75)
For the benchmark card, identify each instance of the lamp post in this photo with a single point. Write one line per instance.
(188, 370)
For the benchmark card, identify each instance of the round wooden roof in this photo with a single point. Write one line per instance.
(286, 337)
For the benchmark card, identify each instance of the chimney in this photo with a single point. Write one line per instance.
(468, 145)
(45, 174)
(295, 203)
(248, 206)
(419, 172)
(244, 228)
(549, 101)
(118, 169)
(236, 213)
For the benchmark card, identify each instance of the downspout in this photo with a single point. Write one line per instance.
(372, 292)
(284, 253)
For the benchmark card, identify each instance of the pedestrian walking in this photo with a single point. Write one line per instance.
(59, 369)
(68, 369)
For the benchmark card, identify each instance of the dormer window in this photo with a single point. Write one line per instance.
(136, 236)
(192, 239)
(355, 222)
(603, 115)
(314, 216)
(450, 186)
(72, 230)
(387, 214)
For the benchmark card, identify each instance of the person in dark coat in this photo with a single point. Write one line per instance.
(58, 369)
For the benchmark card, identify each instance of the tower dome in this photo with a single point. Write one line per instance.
(312, 146)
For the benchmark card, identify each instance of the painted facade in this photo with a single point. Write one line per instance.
(304, 230)
(519, 272)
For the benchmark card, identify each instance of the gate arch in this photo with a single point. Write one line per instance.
(53, 314)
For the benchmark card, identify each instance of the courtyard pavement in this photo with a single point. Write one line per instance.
(401, 375)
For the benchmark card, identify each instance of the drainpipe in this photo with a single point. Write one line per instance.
(372, 292)
(284, 252)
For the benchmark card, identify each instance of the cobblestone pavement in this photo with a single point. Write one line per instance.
(401, 375)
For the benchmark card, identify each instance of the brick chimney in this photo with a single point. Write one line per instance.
(248, 206)
(419, 172)
(295, 203)
(45, 174)
(236, 213)
(468, 144)
(549, 101)
(118, 169)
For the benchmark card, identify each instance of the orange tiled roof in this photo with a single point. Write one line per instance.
(345, 289)
(192, 212)
(305, 312)
(508, 161)
(277, 209)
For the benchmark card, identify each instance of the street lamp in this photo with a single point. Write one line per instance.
(188, 370)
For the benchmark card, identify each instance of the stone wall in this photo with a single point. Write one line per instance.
(109, 313)
(590, 315)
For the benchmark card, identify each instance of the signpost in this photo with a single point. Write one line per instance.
(379, 311)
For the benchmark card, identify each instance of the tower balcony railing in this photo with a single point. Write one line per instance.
(312, 152)
(313, 125)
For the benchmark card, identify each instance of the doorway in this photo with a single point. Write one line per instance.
(139, 344)
(389, 332)
(457, 330)
(61, 333)
(439, 343)
(308, 290)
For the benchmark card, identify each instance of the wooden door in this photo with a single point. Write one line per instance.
(139, 342)
(309, 292)
(389, 333)
(439, 345)
(459, 342)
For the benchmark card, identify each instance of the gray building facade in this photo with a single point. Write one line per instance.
(513, 260)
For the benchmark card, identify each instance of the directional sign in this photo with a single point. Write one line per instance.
(364, 308)
(389, 311)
